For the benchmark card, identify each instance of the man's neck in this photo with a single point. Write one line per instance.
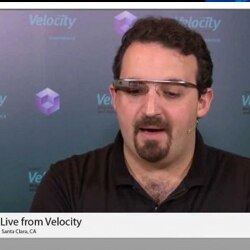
(159, 179)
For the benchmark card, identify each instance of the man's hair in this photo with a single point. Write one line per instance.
(171, 34)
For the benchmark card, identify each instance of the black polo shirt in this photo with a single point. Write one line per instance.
(99, 181)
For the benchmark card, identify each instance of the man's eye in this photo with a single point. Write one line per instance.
(170, 94)
(135, 91)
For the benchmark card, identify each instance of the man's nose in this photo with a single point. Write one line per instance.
(152, 100)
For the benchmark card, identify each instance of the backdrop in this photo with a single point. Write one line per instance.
(55, 68)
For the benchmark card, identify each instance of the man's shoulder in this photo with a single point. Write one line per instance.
(227, 158)
(82, 162)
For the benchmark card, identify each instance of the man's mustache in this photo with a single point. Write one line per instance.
(155, 121)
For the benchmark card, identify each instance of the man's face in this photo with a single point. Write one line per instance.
(157, 125)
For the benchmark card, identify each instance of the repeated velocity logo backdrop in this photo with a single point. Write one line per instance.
(55, 70)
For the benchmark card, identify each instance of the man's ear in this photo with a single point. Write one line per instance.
(113, 94)
(204, 103)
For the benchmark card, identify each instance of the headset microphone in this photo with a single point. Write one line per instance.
(192, 128)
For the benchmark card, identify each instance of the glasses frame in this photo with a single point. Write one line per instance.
(117, 83)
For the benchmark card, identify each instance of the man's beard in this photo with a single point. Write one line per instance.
(152, 150)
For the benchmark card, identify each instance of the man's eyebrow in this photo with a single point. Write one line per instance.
(144, 79)
(173, 79)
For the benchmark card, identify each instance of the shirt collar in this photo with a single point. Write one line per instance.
(118, 165)
(198, 170)
(195, 176)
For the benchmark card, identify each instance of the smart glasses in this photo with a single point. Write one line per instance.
(166, 88)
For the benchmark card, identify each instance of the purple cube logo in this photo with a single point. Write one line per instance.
(48, 101)
(123, 22)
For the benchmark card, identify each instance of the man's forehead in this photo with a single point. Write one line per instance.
(155, 51)
(155, 61)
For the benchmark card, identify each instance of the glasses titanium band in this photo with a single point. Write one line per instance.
(130, 83)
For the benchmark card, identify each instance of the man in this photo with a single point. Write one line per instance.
(158, 162)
